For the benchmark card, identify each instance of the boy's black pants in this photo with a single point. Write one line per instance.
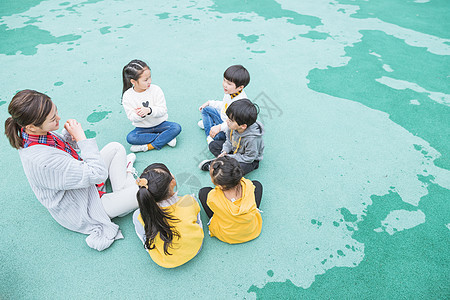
(216, 148)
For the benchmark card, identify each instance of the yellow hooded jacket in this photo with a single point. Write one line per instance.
(238, 221)
(187, 246)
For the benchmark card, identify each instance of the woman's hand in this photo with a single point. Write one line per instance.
(75, 130)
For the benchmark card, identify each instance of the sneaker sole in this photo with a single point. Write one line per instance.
(138, 150)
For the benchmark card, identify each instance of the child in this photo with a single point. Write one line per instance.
(168, 225)
(244, 137)
(145, 106)
(235, 79)
(64, 181)
(233, 204)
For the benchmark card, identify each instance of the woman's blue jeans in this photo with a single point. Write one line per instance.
(211, 117)
(158, 135)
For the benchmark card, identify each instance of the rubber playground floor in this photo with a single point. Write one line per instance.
(355, 98)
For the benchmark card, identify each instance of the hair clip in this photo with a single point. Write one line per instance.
(142, 182)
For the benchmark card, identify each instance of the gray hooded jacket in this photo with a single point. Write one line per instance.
(245, 147)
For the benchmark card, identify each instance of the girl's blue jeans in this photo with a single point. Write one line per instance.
(158, 135)
(211, 117)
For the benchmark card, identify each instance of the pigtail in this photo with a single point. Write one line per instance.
(215, 166)
(126, 78)
(13, 132)
(237, 172)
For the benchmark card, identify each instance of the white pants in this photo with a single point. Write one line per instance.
(122, 200)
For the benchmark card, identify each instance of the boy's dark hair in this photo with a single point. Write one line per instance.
(238, 75)
(226, 172)
(243, 111)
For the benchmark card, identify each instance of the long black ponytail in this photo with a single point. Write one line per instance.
(156, 219)
(132, 70)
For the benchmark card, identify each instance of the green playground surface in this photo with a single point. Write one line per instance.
(355, 99)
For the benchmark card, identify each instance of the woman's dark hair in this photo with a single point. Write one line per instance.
(238, 75)
(132, 70)
(243, 111)
(226, 172)
(26, 107)
(156, 219)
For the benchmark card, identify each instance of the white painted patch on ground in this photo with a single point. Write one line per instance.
(374, 54)
(397, 84)
(387, 68)
(414, 102)
(332, 168)
(399, 220)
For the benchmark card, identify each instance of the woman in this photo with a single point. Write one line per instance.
(69, 184)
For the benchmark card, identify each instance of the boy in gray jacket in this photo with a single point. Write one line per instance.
(244, 137)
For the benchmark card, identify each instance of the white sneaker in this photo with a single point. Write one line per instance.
(200, 124)
(131, 158)
(173, 142)
(139, 148)
(209, 139)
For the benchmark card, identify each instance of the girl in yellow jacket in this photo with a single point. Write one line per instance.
(232, 205)
(168, 225)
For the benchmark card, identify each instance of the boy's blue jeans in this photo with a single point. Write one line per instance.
(158, 135)
(211, 117)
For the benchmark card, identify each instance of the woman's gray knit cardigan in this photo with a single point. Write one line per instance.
(66, 187)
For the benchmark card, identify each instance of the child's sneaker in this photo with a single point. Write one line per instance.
(173, 142)
(204, 165)
(131, 158)
(139, 148)
(130, 161)
(209, 139)
(200, 124)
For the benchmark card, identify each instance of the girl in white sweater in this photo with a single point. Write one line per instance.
(145, 106)
(68, 184)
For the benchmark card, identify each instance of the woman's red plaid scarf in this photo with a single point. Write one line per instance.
(48, 140)
(53, 141)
